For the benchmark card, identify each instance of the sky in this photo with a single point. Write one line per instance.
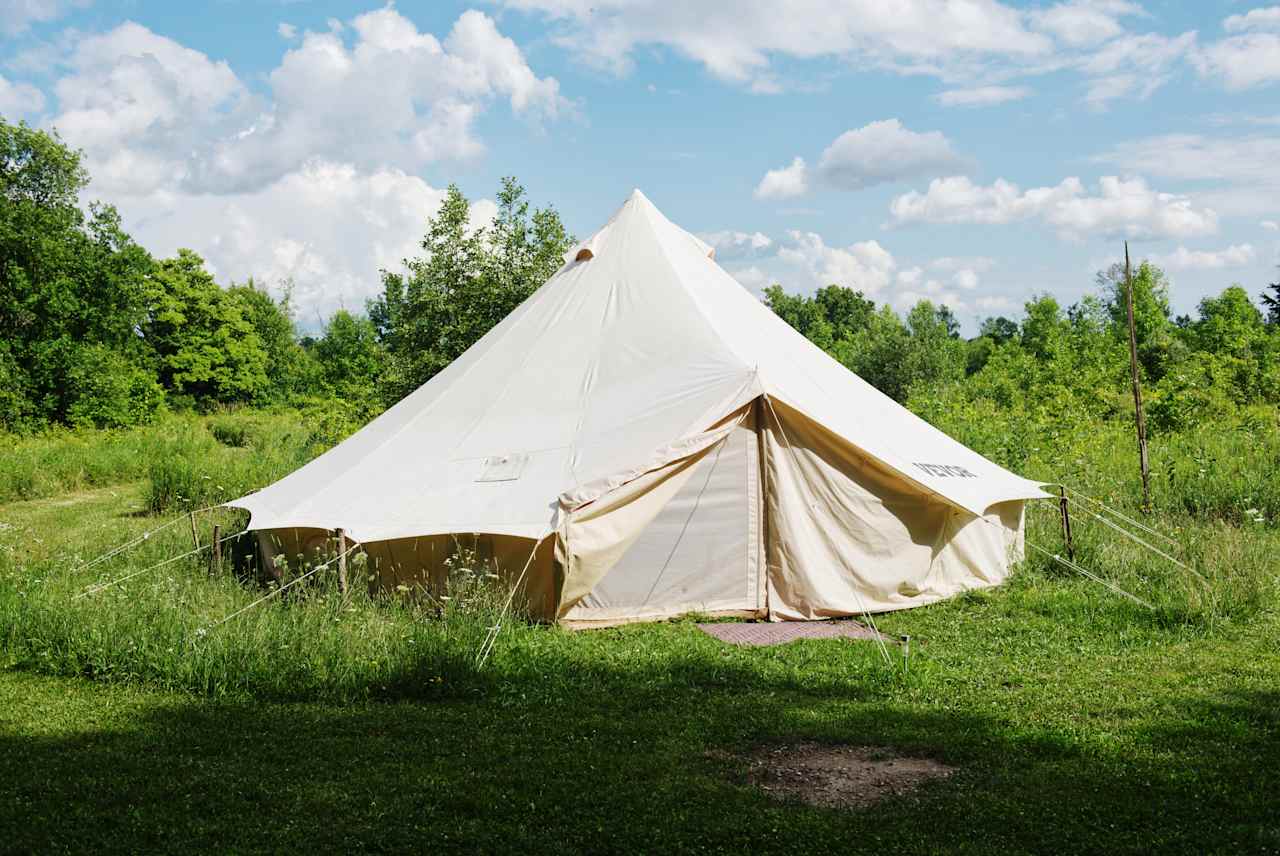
(973, 152)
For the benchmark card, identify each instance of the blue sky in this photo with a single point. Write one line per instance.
(969, 151)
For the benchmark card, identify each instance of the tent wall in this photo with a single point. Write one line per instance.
(423, 562)
(690, 541)
(846, 535)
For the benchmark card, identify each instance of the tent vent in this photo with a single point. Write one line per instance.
(502, 468)
(583, 255)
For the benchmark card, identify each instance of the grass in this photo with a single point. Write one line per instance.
(1078, 720)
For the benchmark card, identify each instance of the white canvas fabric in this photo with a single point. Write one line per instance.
(585, 418)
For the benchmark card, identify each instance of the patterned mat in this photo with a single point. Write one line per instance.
(780, 633)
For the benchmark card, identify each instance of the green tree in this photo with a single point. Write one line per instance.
(66, 280)
(999, 330)
(288, 368)
(467, 280)
(350, 357)
(206, 346)
(1153, 327)
(1271, 302)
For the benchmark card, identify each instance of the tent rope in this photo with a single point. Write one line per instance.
(204, 631)
(486, 647)
(100, 587)
(115, 551)
(1126, 533)
(1124, 517)
(1091, 575)
(866, 613)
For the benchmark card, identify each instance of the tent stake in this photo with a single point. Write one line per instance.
(1066, 522)
(195, 539)
(215, 557)
(342, 562)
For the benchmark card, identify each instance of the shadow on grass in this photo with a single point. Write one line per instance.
(614, 760)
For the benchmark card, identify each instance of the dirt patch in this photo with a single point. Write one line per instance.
(836, 776)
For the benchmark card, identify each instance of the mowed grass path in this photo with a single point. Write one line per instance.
(1078, 722)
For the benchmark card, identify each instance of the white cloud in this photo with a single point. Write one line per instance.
(737, 42)
(865, 266)
(1266, 18)
(979, 264)
(1270, 225)
(17, 16)
(19, 99)
(151, 113)
(994, 303)
(287, 31)
(966, 278)
(1085, 22)
(1241, 62)
(1248, 183)
(981, 96)
(327, 226)
(785, 182)
(885, 151)
(1135, 66)
(730, 244)
(876, 153)
(1184, 259)
(1121, 207)
(752, 278)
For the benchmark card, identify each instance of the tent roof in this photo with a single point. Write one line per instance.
(625, 351)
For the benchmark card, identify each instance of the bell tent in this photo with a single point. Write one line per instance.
(641, 438)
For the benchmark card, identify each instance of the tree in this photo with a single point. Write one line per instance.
(67, 281)
(288, 372)
(206, 346)
(1272, 304)
(999, 330)
(350, 358)
(1152, 322)
(467, 280)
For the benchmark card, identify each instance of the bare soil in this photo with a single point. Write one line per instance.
(836, 776)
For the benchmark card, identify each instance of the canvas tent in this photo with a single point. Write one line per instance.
(641, 438)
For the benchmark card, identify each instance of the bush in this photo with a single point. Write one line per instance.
(106, 390)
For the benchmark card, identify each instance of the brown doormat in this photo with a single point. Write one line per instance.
(780, 633)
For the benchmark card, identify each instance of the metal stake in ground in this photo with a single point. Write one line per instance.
(1137, 386)
(215, 555)
(342, 562)
(1066, 522)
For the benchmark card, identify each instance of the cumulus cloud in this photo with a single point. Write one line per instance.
(785, 182)
(1241, 62)
(151, 112)
(19, 99)
(737, 42)
(1121, 207)
(1242, 168)
(1085, 22)
(355, 223)
(1184, 259)
(17, 16)
(729, 244)
(286, 30)
(981, 96)
(876, 153)
(1266, 18)
(1270, 225)
(865, 265)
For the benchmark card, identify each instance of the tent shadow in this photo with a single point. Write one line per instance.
(616, 760)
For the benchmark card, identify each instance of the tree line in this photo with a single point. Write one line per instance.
(94, 331)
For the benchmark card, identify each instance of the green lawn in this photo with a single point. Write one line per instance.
(1077, 721)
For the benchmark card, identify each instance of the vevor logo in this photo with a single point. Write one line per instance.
(945, 471)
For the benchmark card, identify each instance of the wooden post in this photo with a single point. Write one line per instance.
(1137, 387)
(215, 557)
(1066, 522)
(342, 562)
(195, 539)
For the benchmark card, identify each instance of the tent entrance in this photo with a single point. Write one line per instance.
(703, 549)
